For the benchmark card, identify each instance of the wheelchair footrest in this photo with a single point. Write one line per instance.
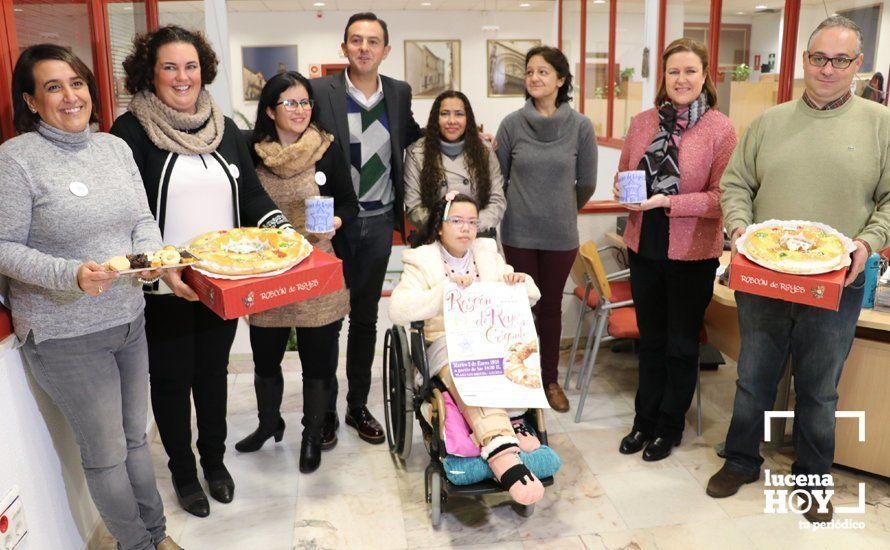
(484, 487)
(464, 471)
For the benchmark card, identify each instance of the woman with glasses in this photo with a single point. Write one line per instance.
(452, 159)
(451, 252)
(296, 160)
(199, 177)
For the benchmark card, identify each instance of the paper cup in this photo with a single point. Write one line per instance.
(632, 187)
(320, 214)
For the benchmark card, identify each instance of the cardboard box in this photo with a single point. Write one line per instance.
(813, 290)
(320, 273)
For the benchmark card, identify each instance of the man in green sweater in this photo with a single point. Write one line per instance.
(823, 158)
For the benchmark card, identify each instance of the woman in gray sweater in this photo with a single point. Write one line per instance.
(547, 153)
(70, 197)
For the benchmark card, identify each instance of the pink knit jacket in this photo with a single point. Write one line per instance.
(696, 222)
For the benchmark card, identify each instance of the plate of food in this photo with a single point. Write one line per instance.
(168, 257)
(795, 246)
(249, 251)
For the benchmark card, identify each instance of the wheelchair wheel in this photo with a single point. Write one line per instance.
(435, 496)
(397, 407)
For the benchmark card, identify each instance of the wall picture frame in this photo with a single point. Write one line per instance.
(432, 66)
(506, 65)
(260, 63)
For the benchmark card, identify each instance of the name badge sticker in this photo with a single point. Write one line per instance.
(79, 189)
(320, 178)
(234, 171)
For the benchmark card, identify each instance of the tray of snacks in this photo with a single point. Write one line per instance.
(168, 257)
(248, 251)
(796, 247)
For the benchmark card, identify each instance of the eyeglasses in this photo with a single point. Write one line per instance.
(819, 60)
(290, 105)
(457, 221)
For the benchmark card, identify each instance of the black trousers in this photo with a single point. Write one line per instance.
(318, 348)
(670, 297)
(370, 244)
(188, 354)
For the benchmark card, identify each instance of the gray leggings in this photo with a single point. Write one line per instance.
(100, 383)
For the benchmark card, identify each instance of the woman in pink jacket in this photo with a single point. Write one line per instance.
(674, 239)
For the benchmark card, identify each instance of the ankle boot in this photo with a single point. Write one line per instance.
(316, 394)
(269, 391)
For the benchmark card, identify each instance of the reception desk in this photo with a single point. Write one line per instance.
(864, 385)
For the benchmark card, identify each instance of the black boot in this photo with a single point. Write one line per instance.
(269, 392)
(316, 394)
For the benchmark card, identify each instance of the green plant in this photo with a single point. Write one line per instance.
(741, 73)
(626, 74)
(600, 92)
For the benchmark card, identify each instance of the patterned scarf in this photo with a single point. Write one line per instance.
(171, 130)
(660, 162)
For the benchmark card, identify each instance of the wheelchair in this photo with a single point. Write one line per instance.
(402, 404)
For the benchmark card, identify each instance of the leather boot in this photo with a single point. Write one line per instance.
(316, 394)
(269, 392)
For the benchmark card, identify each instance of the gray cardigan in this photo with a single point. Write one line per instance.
(549, 164)
(47, 230)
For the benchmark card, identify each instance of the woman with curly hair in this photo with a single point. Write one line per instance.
(199, 177)
(452, 159)
(548, 157)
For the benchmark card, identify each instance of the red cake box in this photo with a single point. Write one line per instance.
(320, 273)
(822, 290)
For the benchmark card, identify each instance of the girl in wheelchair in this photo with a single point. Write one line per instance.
(452, 252)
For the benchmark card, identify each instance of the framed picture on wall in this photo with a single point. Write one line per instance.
(432, 66)
(260, 63)
(506, 66)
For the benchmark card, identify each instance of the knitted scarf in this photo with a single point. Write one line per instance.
(660, 162)
(288, 161)
(171, 130)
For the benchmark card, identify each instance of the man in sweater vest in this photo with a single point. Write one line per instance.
(371, 119)
(823, 158)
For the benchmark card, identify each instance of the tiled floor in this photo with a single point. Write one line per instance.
(362, 498)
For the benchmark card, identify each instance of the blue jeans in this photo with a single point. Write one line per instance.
(99, 381)
(818, 341)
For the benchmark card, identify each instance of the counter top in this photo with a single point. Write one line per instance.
(603, 207)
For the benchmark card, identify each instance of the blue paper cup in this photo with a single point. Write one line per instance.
(320, 214)
(632, 187)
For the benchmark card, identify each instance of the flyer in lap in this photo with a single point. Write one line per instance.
(493, 346)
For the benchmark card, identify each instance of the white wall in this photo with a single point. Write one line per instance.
(766, 38)
(318, 41)
(811, 16)
(39, 455)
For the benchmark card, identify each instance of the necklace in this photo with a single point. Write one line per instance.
(459, 266)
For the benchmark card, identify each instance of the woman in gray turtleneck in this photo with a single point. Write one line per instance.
(547, 152)
(70, 197)
(452, 159)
